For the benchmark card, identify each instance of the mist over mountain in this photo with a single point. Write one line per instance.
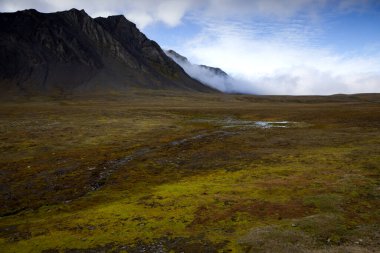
(211, 76)
(68, 52)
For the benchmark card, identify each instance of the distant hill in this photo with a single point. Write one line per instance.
(216, 71)
(211, 76)
(70, 52)
(183, 60)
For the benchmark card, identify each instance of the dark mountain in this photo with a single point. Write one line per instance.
(68, 52)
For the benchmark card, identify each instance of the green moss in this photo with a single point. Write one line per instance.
(325, 202)
(186, 179)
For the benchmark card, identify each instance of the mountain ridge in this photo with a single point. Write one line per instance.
(178, 57)
(70, 52)
(211, 76)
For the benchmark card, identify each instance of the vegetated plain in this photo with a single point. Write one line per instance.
(171, 172)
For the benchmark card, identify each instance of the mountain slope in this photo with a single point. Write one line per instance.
(68, 52)
(211, 76)
(180, 59)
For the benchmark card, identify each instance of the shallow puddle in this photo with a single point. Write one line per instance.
(233, 123)
(272, 124)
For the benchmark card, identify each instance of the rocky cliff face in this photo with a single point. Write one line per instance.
(68, 52)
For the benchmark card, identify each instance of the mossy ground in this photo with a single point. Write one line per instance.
(155, 173)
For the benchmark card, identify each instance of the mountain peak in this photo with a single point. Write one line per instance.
(119, 18)
(176, 56)
(28, 11)
(71, 11)
(76, 11)
(180, 59)
(114, 21)
(68, 52)
(216, 71)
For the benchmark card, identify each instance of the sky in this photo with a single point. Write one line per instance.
(294, 47)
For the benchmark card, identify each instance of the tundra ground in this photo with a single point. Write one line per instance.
(166, 172)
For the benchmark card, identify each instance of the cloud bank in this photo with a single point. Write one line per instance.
(281, 63)
(210, 76)
(224, 84)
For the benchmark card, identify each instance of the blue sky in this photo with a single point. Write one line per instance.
(353, 30)
(267, 46)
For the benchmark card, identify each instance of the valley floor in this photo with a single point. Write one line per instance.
(166, 172)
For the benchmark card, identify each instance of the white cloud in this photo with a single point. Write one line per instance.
(142, 19)
(272, 8)
(349, 5)
(212, 78)
(172, 11)
(274, 64)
